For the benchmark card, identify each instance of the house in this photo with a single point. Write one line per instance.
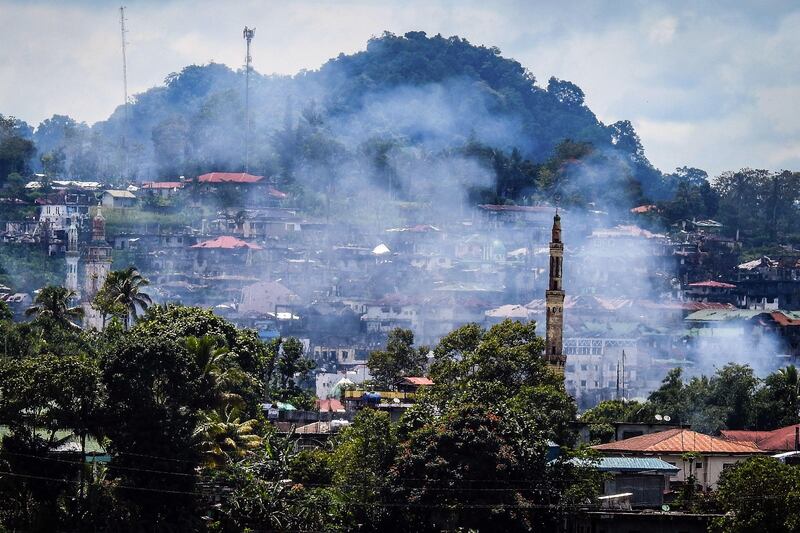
(785, 439)
(267, 297)
(114, 198)
(164, 189)
(710, 291)
(645, 478)
(224, 253)
(257, 187)
(694, 454)
(413, 383)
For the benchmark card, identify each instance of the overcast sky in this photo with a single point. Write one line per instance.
(714, 85)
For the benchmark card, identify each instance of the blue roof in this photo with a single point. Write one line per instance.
(635, 464)
(630, 464)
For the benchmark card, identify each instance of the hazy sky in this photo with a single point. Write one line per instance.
(709, 84)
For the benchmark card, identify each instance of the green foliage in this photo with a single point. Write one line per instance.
(55, 303)
(601, 418)
(122, 295)
(399, 359)
(760, 494)
(177, 321)
(16, 151)
(287, 369)
(28, 268)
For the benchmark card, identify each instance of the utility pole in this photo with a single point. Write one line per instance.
(125, 88)
(248, 35)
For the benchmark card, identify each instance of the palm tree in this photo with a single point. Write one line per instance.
(56, 303)
(123, 287)
(210, 354)
(221, 435)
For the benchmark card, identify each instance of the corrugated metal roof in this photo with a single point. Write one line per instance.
(635, 464)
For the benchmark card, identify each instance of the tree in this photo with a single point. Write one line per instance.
(55, 303)
(288, 370)
(121, 292)
(478, 438)
(601, 418)
(16, 150)
(399, 359)
(364, 454)
(777, 403)
(41, 399)
(760, 494)
(223, 436)
(153, 408)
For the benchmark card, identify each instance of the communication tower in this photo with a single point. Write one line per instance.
(248, 35)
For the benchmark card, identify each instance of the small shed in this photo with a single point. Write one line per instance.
(114, 198)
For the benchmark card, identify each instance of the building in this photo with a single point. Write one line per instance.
(97, 264)
(118, 199)
(645, 478)
(555, 301)
(785, 439)
(694, 454)
(164, 189)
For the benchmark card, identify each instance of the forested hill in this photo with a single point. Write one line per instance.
(416, 117)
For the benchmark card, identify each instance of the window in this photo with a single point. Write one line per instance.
(726, 466)
(584, 367)
(583, 383)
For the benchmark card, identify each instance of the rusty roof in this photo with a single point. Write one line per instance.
(679, 441)
(777, 440)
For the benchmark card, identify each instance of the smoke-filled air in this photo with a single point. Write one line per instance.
(293, 289)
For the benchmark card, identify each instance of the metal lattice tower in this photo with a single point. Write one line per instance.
(125, 88)
(248, 35)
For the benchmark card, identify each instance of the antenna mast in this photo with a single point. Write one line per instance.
(125, 88)
(248, 35)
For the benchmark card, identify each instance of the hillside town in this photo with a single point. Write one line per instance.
(638, 303)
(410, 287)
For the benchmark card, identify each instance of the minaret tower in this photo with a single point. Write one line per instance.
(97, 264)
(555, 301)
(72, 257)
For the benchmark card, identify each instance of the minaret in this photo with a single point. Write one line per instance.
(555, 301)
(97, 265)
(72, 257)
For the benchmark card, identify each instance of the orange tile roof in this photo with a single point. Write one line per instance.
(331, 405)
(678, 441)
(418, 380)
(777, 440)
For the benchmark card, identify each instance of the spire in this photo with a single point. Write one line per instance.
(99, 227)
(556, 234)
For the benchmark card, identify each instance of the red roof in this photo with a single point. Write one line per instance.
(715, 284)
(784, 320)
(332, 405)
(676, 441)
(275, 193)
(418, 380)
(778, 440)
(229, 177)
(227, 243)
(644, 208)
(162, 185)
